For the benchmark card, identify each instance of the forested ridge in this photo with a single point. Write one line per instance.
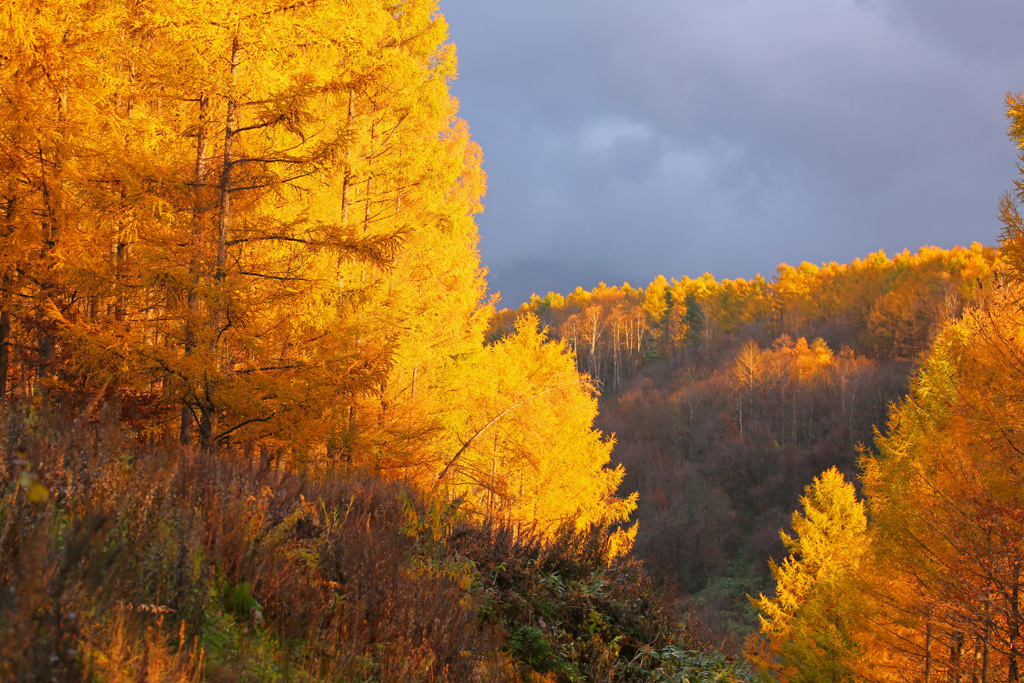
(881, 399)
(727, 398)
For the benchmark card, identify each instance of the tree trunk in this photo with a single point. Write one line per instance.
(207, 404)
(5, 313)
(928, 651)
(53, 199)
(196, 263)
(955, 651)
(5, 347)
(347, 182)
(369, 172)
(741, 418)
(224, 224)
(121, 252)
(1013, 674)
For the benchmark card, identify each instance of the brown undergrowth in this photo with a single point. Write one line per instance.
(153, 562)
(126, 558)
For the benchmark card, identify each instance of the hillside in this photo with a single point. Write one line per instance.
(728, 398)
(125, 560)
(920, 575)
(258, 421)
(902, 560)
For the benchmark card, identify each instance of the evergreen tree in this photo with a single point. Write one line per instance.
(809, 625)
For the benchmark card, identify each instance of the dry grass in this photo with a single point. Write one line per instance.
(152, 562)
(123, 558)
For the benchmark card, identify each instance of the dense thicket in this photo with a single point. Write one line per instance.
(252, 225)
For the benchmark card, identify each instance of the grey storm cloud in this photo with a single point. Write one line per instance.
(627, 139)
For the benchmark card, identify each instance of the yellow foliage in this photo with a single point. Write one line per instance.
(809, 625)
(521, 446)
(35, 490)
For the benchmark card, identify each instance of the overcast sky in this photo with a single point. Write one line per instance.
(627, 138)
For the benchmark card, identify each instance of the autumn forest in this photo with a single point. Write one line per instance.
(260, 421)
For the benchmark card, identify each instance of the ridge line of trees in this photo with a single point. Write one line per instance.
(877, 306)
